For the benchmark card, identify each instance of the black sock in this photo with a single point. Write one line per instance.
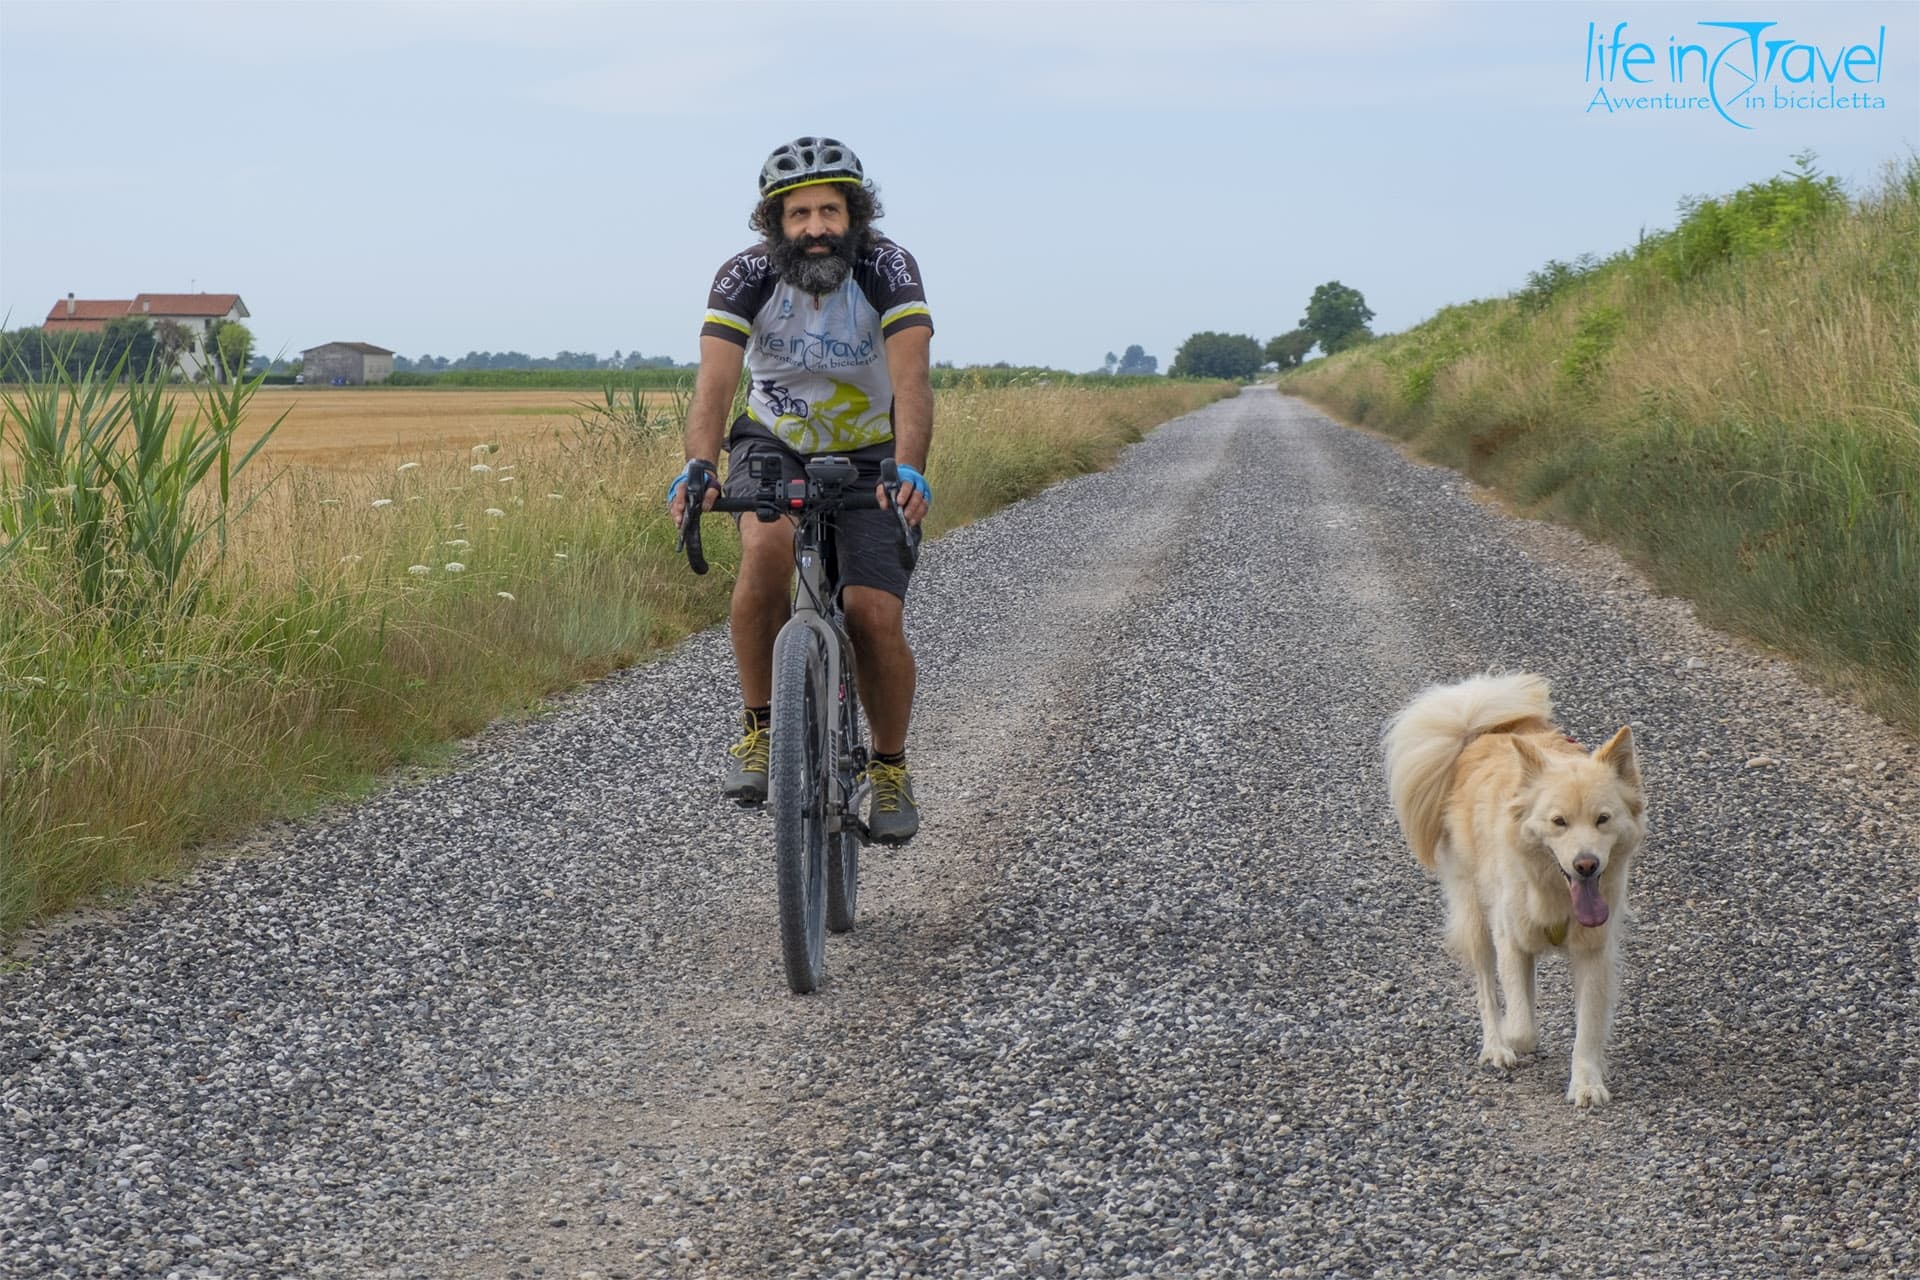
(762, 716)
(893, 758)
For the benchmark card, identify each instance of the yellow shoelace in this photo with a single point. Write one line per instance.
(752, 750)
(889, 786)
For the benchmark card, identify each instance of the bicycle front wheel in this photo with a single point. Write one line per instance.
(843, 852)
(797, 786)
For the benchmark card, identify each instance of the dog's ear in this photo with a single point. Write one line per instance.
(1532, 763)
(1618, 755)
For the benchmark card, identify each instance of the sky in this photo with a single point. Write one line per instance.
(1072, 177)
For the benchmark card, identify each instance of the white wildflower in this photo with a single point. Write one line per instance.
(456, 542)
(33, 679)
(419, 570)
(495, 512)
(314, 631)
(350, 559)
(454, 566)
(480, 468)
(407, 466)
(382, 502)
(559, 555)
(504, 595)
(484, 448)
(416, 497)
(507, 479)
(558, 497)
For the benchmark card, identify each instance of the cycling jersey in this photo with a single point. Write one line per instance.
(817, 365)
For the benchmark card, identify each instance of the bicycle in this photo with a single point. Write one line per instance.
(816, 772)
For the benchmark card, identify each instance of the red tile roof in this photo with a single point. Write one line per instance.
(90, 315)
(185, 304)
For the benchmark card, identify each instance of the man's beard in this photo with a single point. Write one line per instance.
(817, 273)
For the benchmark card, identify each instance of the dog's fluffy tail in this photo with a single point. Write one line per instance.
(1424, 740)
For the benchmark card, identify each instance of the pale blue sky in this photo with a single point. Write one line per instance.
(1072, 177)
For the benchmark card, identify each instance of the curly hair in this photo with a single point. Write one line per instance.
(863, 210)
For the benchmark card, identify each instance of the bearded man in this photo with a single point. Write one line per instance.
(830, 319)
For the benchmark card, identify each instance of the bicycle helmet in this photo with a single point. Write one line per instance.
(805, 161)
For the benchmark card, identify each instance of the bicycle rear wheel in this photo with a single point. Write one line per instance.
(843, 854)
(797, 786)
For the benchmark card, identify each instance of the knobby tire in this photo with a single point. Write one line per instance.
(797, 785)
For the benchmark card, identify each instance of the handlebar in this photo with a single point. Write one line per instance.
(778, 497)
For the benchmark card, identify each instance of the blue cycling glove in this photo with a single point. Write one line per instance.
(909, 476)
(692, 463)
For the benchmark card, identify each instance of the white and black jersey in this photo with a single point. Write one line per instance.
(818, 364)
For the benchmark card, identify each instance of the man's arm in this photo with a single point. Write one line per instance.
(719, 374)
(720, 363)
(909, 369)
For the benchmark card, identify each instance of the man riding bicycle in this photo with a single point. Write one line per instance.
(831, 321)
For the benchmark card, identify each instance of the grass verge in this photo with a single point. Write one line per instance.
(1735, 403)
(355, 621)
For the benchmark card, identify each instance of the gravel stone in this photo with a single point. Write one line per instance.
(1157, 991)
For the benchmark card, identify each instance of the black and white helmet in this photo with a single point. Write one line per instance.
(808, 160)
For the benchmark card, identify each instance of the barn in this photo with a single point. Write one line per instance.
(345, 364)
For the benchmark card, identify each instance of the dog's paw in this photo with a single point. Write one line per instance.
(1495, 1054)
(1588, 1092)
(1524, 1042)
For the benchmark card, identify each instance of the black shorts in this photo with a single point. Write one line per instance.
(867, 543)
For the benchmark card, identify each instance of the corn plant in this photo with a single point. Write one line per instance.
(109, 483)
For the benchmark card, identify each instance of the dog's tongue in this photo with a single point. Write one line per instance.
(1589, 908)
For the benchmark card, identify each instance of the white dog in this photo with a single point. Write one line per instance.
(1532, 839)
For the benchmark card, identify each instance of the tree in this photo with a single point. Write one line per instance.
(1111, 362)
(130, 337)
(1289, 349)
(232, 344)
(171, 340)
(1136, 363)
(1337, 317)
(1217, 355)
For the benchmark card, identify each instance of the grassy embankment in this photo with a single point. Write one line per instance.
(1735, 403)
(150, 701)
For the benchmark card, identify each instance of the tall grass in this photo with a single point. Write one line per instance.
(355, 620)
(1736, 403)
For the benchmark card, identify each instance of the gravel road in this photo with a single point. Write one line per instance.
(1157, 991)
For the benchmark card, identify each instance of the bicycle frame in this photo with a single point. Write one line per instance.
(817, 767)
(816, 607)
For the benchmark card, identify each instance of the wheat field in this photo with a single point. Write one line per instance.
(365, 429)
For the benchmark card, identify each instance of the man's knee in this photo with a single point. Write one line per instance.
(873, 615)
(766, 561)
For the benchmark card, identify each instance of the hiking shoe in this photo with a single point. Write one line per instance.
(894, 817)
(747, 780)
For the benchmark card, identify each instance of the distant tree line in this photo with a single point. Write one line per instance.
(1134, 363)
(478, 360)
(1336, 319)
(32, 353)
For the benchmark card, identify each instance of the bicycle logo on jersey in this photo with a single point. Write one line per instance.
(783, 404)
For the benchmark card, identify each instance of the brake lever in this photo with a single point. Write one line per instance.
(689, 540)
(909, 536)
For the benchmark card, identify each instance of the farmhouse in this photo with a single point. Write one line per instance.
(200, 313)
(345, 364)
